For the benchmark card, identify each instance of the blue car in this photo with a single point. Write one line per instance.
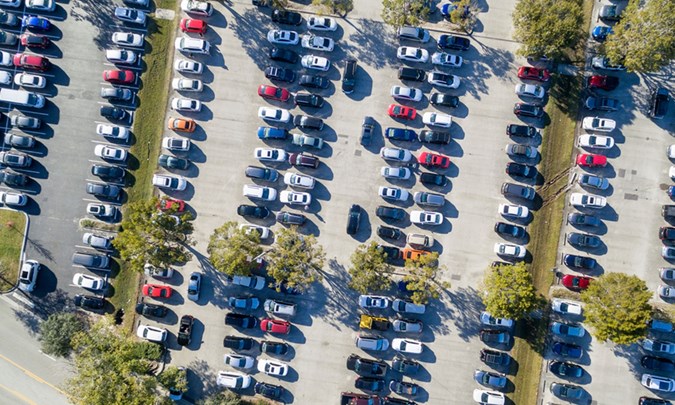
(272, 133)
(671, 191)
(600, 33)
(33, 22)
(448, 8)
(400, 134)
(567, 350)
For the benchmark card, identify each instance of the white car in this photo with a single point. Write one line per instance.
(88, 282)
(179, 84)
(446, 59)
(306, 140)
(393, 193)
(406, 93)
(5, 77)
(188, 66)
(192, 45)
(412, 54)
(510, 250)
(28, 275)
(595, 141)
(395, 173)
(530, 90)
(487, 319)
(203, 8)
(671, 172)
(30, 80)
(233, 380)
(410, 346)
(151, 333)
(10, 3)
(295, 197)
(657, 383)
(299, 180)
(321, 24)
(262, 231)
(317, 43)
(406, 326)
(377, 344)
(168, 181)
(485, 397)
(658, 346)
(598, 124)
(437, 119)
(13, 199)
(254, 282)
(239, 360)
(128, 39)
(407, 307)
(566, 307)
(121, 56)
(186, 104)
(670, 152)
(96, 241)
(272, 367)
(274, 114)
(110, 153)
(281, 308)
(112, 131)
(396, 154)
(443, 80)
(41, 5)
(6, 59)
(588, 200)
(270, 154)
(282, 37)
(373, 301)
(666, 291)
(426, 218)
(315, 62)
(102, 210)
(257, 192)
(176, 144)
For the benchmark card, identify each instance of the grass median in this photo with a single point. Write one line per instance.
(12, 226)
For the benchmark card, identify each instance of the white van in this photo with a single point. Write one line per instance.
(22, 97)
(229, 379)
(279, 307)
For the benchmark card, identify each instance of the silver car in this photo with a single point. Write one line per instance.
(194, 286)
(372, 343)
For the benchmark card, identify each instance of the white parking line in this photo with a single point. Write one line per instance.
(123, 166)
(34, 112)
(101, 202)
(109, 182)
(135, 87)
(127, 67)
(108, 123)
(20, 170)
(27, 131)
(115, 145)
(128, 28)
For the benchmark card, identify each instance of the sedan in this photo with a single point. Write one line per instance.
(273, 92)
(566, 391)
(520, 170)
(308, 100)
(602, 103)
(283, 37)
(409, 346)
(487, 319)
(179, 84)
(399, 111)
(446, 59)
(588, 200)
(531, 73)
(412, 54)
(576, 282)
(657, 383)
(443, 80)
(510, 250)
(598, 124)
(591, 160)
(569, 330)
(406, 93)
(437, 119)
(495, 337)
(299, 180)
(407, 326)
(275, 326)
(317, 43)
(581, 263)
(295, 197)
(565, 370)
(595, 141)
(395, 214)
(33, 22)
(528, 110)
(485, 397)
(109, 173)
(239, 360)
(372, 343)
(591, 181)
(521, 151)
(22, 121)
(396, 154)
(400, 134)
(490, 379)
(315, 62)
(29, 80)
(395, 173)
(110, 153)
(510, 230)
(453, 42)
(88, 282)
(530, 90)
(186, 104)
(119, 76)
(274, 114)
(121, 56)
(177, 183)
(566, 307)
(426, 218)
(13, 199)
(658, 346)
(373, 301)
(568, 350)
(433, 160)
(188, 66)
(176, 144)
(273, 367)
(130, 15)
(393, 193)
(19, 140)
(658, 364)
(247, 303)
(35, 41)
(513, 211)
(253, 211)
(317, 23)
(128, 39)
(666, 291)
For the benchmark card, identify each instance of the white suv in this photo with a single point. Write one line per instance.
(260, 192)
(192, 45)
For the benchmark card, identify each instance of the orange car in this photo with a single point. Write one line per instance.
(413, 254)
(182, 124)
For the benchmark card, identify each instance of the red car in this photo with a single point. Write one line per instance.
(275, 326)
(157, 291)
(193, 26)
(35, 41)
(576, 282)
(399, 111)
(119, 76)
(273, 93)
(35, 62)
(603, 82)
(531, 73)
(591, 160)
(434, 160)
(166, 204)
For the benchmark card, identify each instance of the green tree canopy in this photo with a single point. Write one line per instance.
(617, 308)
(151, 236)
(459, 16)
(547, 27)
(398, 13)
(369, 270)
(421, 278)
(644, 39)
(231, 249)
(341, 7)
(295, 259)
(509, 292)
(174, 378)
(57, 331)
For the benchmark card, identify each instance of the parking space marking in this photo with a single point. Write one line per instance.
(94, 249)
(128, 67)
(124, 166)
(101, 202)
(121, 86)
(116, 145)
(123, 28)
(109, 123)
(109, 182)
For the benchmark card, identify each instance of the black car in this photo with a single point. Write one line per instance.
(290, 218)
(366, 367)
(397, 401)
(367, 129)
(389, 232)
(444, 100)
(13, 179)
(241, 320)
(404, 388)
(253, 211)
(110, 191)
(349, 78)
(528, 110)
(261, 173)
(172, 162)
(453, 42)
(653, 401)
(667, 234)
(283, 55)
(145, 309)
(390, 213)
(583, 240)
(88, 301)
(116, 94)
(579, 219)
(280, 74)
(525, 131)
(405, 366)
(114, 113)
(521, 170)
(400, 134)
(657, 364)
(579, 262)
(412, 74)
(314, 82)
(276, 348)
(568, 350)
(495, 337)
(353, 219)
(566, 370)
(369, 384)
(308, 100)
(307, 122)
(303, 160)
(518, 191)
(184, 336)
(286, 17)
(433, 179)
(659, 103)
(602, 103)
(514, 231)
(238, 342)
(434, 136)
(392, 253)
(494, 357)
(268, 390)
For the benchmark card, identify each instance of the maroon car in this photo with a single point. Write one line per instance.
(300, 159)
(35, 41)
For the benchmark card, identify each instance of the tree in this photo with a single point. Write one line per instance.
(398, 13)
(57, 331)
(464, 15)
(152, 236)
(547, 27)
(509, 292)
(222, 398)
(644, 40)
(370, 270)
(617, 307)
(295, 259)
(421, 278)
(279, 4)
(231, 249)
(341, 7)
(174, 378)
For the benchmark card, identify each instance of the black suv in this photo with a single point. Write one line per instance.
(290, 218)
(145, 309)
(367, 129)
(433, 179)
(349, 78)
(108, 172)
(389, 212)
(516, 190)
(13, 179)
(314, 82)
(281, 74)
(306, 122)
(445, 100)
(113, 113)
(283, 55)
(353, 219)
(309, 100)
(88, 301)
(253, 211)
(453, 42)
(366, 367)
(270, 347)
(238, 343)
(241, 320)
(412, 74)
(286, 17)
(525, 131)
(434, 136)
(659, 103)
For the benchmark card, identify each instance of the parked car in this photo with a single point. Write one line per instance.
(490, 379)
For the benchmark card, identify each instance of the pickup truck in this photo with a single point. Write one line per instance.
(352, 398)
(185, 331)
(373, 322)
